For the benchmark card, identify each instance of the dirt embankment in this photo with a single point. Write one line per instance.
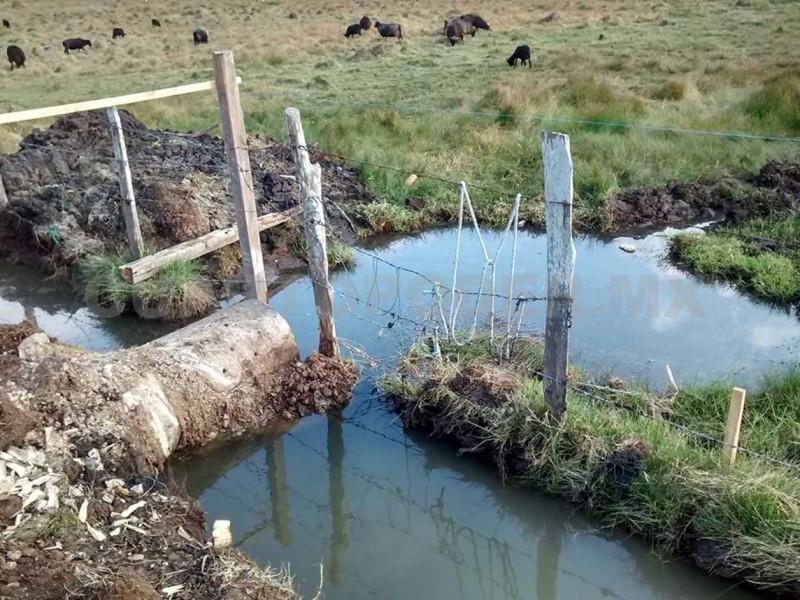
(775, 189)
(83, 512)
(64, 197)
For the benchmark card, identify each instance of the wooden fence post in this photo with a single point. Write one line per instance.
(310, 178)
(560, 269)
(238, 159)
(135, 241)
(3, 196)
(733, 427)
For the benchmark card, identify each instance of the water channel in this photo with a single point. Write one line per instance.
(390, 514)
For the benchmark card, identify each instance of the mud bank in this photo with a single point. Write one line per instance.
(64, 198)
(776, 189)
(85, 435)
(625, 468)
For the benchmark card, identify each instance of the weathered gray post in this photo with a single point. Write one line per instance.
(238, 159)
(310, 178)
(560, 269)
(135, 241)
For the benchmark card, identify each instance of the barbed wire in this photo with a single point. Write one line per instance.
(583, 388)
(733, 135)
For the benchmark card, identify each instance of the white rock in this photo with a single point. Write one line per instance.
(629, 248)
(107, 371)
(34, 347)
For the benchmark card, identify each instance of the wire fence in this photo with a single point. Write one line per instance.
(214, 160)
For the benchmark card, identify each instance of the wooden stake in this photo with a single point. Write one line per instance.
(3, 196)
(310, 178)
(238, 159)
(560, 269)
(733, 427)
(135, 241)
(146, 267)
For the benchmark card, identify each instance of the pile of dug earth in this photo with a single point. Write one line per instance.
(64, 199)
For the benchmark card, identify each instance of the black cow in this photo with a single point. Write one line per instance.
(353, 30)
(117, 33)
(522, 53)
(15, 56)
(200, 36)
(388, 30)
(155, 23)
(75, 44)
(6, 24)
(477, 21)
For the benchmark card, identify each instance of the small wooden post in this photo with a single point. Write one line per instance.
(3, 196)
(135, 241)
(560, 269)
(310, 178)
(238, 159)
(733, 427)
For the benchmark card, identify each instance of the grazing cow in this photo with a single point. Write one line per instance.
(155, 23)
(365, 23)
(389, 30)
(456, 29)
(117, 33)
(75, 44)
(477, 21)
(200, 36)
(6, 24)
(522, 53)
(353, 30)
(15, 56)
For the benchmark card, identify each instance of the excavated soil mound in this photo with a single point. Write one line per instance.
(776, 189)
(64, 198)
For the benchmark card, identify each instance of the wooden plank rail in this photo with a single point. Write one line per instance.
(144, 268)
(66, 109)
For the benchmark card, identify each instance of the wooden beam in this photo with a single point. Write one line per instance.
(144, 268)
(66, 109)
(135, 241)
(310, 178)
(238, 159)
(560, 269)
(733, 426)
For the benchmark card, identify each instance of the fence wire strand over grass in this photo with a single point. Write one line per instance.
(733, 135)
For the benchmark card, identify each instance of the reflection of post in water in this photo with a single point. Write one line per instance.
(278, 491)
(547, 554)
(336, 496)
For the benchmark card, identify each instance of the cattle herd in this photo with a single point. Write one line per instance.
(16, 55)
(455, 29)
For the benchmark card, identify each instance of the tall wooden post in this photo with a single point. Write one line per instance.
(310, 178)
(733, 426)
(560, 269)
(238, 159)
(135, 241)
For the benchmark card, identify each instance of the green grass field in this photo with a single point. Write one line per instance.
(717, 65)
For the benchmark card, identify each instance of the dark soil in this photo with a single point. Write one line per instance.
(775, 189)
(64, 198)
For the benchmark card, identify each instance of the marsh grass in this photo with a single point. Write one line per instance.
(744, 80)
(759, 256)
(748, 515)
(179, 290)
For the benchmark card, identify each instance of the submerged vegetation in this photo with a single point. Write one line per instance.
(179, 290)
(620, 456)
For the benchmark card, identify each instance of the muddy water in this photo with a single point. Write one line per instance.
(393, 515)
